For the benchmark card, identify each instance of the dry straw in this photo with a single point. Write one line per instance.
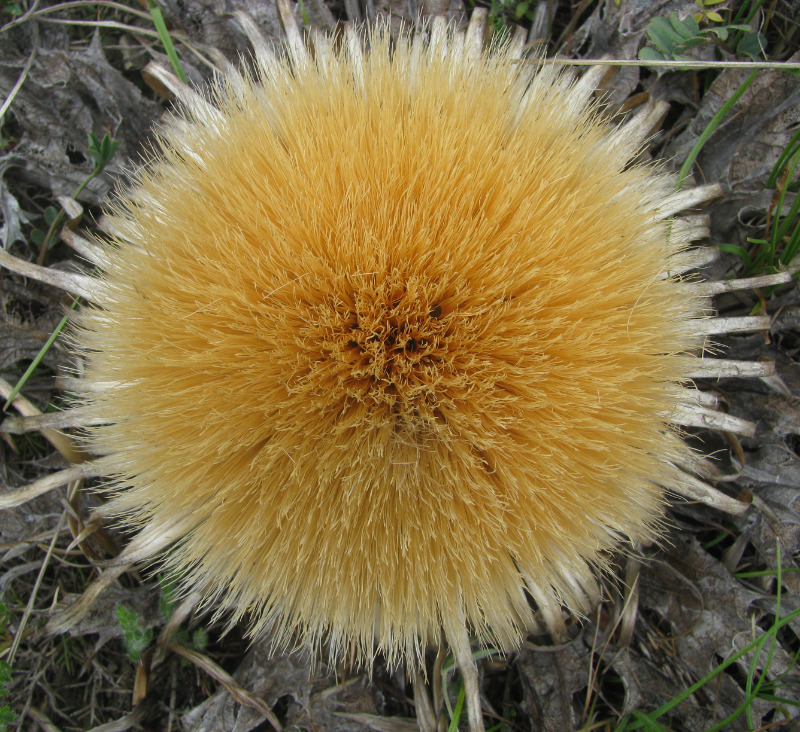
(391, 342)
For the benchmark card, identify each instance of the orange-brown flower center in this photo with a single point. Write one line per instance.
(392, 343)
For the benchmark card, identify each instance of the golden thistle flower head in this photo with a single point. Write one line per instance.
(387, 344)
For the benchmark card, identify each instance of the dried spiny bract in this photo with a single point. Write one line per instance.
(391, 343)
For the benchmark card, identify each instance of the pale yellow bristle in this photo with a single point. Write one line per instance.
(398, 337)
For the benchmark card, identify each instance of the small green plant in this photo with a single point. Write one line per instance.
(780, 244)
(168, 596)
(38, 236)
(100, 152)
(136, 637)
(501, 11)
(6, 715)
(449, 665)
(166, 604)
(200, 639)
(520, 11)
(706, 14)
(672, 38)
(66, 655)
(4, 613)
(303, 12)
(13, 8)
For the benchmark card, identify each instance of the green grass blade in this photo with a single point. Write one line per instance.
(756, 644)
(791, 149)
(163, 34)
(456, 716)
(792, 246)
(764, 573)
(711, 127)
(773, 641)
(739, 252)
(39, 356)
(790, 219)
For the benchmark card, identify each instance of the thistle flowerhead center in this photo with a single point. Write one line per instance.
(389, 343)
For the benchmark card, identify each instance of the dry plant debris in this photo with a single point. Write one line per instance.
(695, 607)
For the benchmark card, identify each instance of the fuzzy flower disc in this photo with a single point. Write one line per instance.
(392, 338)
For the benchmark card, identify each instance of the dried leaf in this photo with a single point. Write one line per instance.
(67, 94)
(747, 144)
(382, 724)
(550, 680)
(711, 616)
(13, 215)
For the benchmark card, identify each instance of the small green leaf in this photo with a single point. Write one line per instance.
(200, 639)
(662, 42)
(6, 717)
(687, 28)
(689, 43)
(721, 32)
(650, 54)
(101, 152)
(520, 10)
(663, 35)
(37, 237)
(50, 214)
(716, 17)
(666, 26)
(5, 677)
(738, 251)
(135, 636)
(752, 45)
